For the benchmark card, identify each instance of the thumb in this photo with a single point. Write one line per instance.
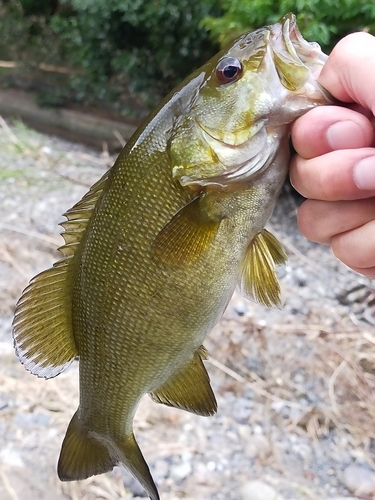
(349, 73)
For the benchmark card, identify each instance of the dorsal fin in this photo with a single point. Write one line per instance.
(42, 325)
(259, 280)
(79, 215)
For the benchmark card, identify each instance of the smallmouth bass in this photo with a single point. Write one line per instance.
(155, 249)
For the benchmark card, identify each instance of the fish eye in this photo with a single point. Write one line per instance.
(228, 69)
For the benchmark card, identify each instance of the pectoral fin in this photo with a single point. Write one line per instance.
(275, 248)
(259, 280)
(190, 388)
(186, 236)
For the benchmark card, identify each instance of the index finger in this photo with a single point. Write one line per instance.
(325, 129)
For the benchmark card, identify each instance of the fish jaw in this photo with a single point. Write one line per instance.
(297, 63)
(295, 59)
(304, 52)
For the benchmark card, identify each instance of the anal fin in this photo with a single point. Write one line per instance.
(259, 280)
(189, 389)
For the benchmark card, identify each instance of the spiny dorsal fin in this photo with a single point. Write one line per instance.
(42, 325)
(190, 388)
(259, 280)
(186, 236)
(79, 215)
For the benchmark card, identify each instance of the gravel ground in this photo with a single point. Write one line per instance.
(295, 386)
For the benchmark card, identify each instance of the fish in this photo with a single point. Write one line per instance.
(155, 249)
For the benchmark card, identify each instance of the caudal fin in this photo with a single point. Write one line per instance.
(131, 457)
(83, 456)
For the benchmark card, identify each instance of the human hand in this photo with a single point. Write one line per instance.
(335, 163)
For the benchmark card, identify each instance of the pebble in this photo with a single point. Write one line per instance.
(257, 446)
(242, 410)
(160, 470)
(6, 349)
(46, 150)
(359, 480)
(31, 420)
(303, 450)
(181, 471)
(11, 457)
(241, 307)
(257, 490)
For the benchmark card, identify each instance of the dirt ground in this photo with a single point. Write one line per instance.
(295, 386)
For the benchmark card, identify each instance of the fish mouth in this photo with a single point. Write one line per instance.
(295, 59)
(307, 53)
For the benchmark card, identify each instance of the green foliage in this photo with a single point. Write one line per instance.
(145, 43)
(320, 21)
(115, 47)
(128, 52)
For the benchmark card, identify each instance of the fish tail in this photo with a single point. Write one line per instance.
(131, 456)
(81, 455)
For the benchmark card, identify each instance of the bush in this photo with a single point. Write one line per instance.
(115, 46)
(319, 20)
(131, 52)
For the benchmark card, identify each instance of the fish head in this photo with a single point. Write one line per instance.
(248, 96)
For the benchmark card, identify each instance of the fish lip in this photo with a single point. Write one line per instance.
(289, 31)
(287, 42)
(304, 53)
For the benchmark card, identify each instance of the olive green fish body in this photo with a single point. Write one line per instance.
(165, 317)
(156, 248)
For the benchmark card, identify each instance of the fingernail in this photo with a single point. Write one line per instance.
(345, 135)
(364, 173)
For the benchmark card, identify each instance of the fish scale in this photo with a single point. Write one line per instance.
(155, 249)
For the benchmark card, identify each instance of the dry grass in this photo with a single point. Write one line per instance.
(338, 367)
(335, 386)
